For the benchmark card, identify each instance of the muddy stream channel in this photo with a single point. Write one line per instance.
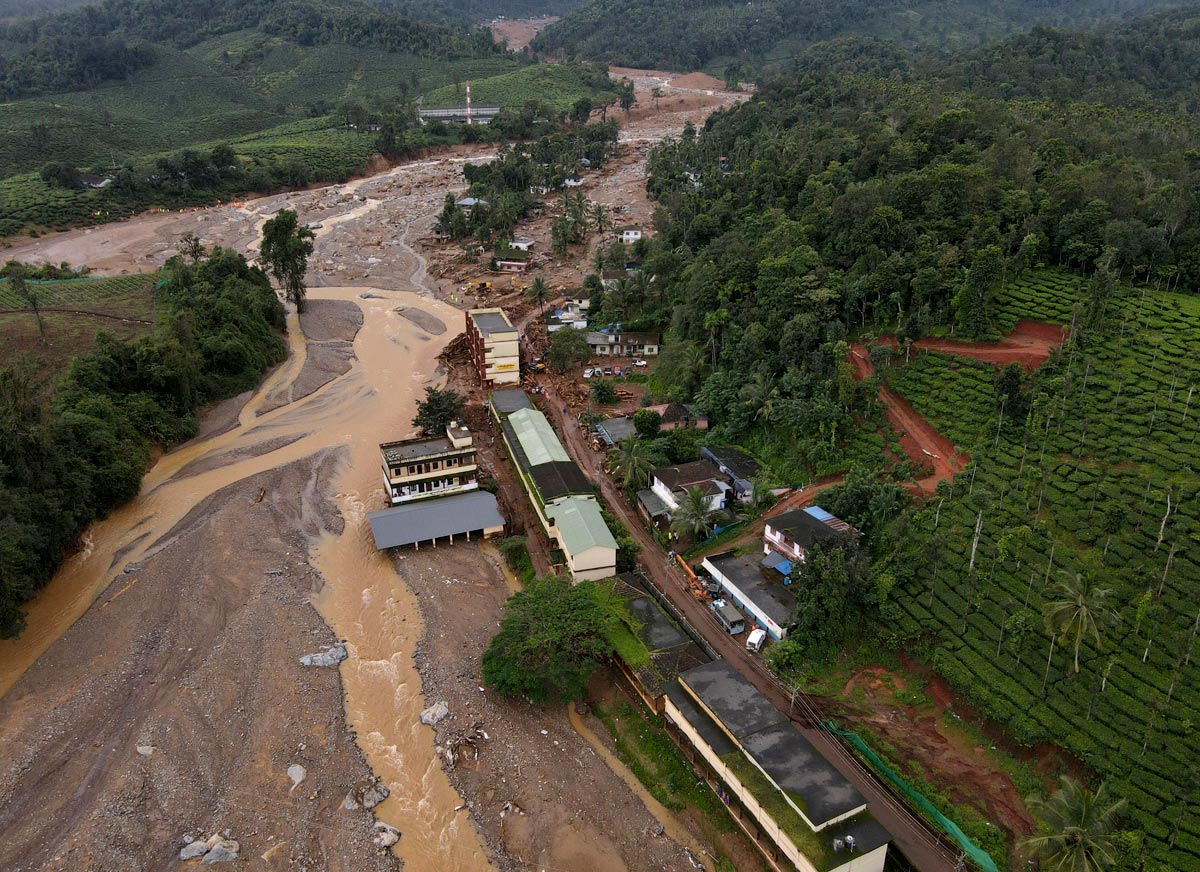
(364, 600)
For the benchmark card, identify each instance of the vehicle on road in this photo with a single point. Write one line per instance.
(754, 641)
(729, 617)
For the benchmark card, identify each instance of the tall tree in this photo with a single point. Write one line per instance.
(1076, 829)
(631, 463)
(693, 518)
(29, 294)
(285, 248)
(538, 293)
(437, 410)
(1075, 609)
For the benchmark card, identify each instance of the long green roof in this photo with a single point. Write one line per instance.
(580, 524)
(537, 437)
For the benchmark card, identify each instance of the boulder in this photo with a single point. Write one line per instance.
(374, 795)
(386, 835)
(435, 713)
(193, 850)
(224, 851)
(329, 657)
(365, 794)
(297, 773)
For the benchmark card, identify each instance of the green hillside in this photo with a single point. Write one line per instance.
(1103, 476)
(678, 35)
(555, 85)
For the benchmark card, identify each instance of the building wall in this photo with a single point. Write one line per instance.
(496, 358)
(776, 541)
(593, 564)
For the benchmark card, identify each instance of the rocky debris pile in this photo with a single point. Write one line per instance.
(365, 794)
(432, 715)
(326, 657)
(386, 835)
(217, 848)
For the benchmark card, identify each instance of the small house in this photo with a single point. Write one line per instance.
(738, 465)
(522, 243)
(676, 416)
(629, 233)
(517, 266)
(788, 537)
(619, 344)
(573, 181)
(470, 204)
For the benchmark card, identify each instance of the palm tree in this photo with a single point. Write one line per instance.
(1075, 829)
(693, 517)
(631, 463)
(1075, 608)
(538, 293)
(598, 213)
(759, 395)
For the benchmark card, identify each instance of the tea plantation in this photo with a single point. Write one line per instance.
(556, 85)
(1100, 477)
(70, 293)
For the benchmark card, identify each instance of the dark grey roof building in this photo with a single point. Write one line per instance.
(466, 514)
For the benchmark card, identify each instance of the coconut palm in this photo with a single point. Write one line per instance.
(631, 463)
(693, 517)
(1076, 829)
(598, 215)
(758, 396)
(1075, 608)
(538, 293)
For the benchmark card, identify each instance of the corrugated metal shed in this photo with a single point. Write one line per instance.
(426, 520)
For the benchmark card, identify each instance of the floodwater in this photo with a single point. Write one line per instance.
(363, 600)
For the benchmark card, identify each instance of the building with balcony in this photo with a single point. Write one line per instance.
(416, 469)
(495, 347)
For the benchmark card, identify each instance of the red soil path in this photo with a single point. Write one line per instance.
(1029, 344)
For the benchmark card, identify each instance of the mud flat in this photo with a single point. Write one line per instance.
(538, 790)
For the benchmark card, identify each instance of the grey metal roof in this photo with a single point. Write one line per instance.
(800, 771)
(733, 700)
(412, 449)
(656, 629)
(616, 430)
(738, 462)
(802, 528)
(685, 475)
(507, 402)
(767, 592)
(703, 724)
(560, 478)
(653, 504)
(429, 519)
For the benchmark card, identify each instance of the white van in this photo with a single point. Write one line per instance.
(754, 641)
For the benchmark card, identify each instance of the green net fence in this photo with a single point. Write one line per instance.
(976, 853)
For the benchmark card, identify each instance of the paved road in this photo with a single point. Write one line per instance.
(926, 850)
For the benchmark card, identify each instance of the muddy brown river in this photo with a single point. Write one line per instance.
(363, 600)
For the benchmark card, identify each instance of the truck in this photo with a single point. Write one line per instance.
(728, 617)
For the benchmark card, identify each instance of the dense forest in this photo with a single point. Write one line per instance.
(71, 457)
(83, 47)
(875, 191)
(685, 36)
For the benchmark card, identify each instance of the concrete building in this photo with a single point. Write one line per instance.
(494, 345)
(415, 469)
(739, 466)
(612, 342)
(791, 534)
(759, 592)
(629, 233)
(479, 113)
(816, 819)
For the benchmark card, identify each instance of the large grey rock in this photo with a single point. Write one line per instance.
(330, 657)
(193, 850)
(435, 713)
(225, 851)
(386, 835)
(365, 794)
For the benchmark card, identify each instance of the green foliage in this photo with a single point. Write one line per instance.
(285, 248)
(830, 599)
(551, 640)
(604, 392)
(66, 461)
(1076, 829)
(516, 555)
(438, 409)
(553, 86)
(71, 293)
(647, 423)
(568, 347)
(1088, 470)
(628, 548)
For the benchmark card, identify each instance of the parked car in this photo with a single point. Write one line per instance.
(637, 361)
(607, 370)
(589, 372)
(754, 641)
(618, 371)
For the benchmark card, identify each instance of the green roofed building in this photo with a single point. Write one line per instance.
(579, 528)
